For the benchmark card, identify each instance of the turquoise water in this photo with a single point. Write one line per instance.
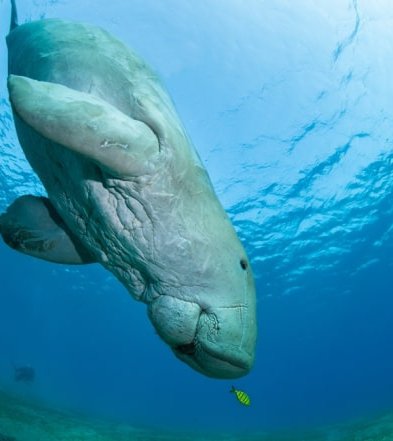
(289, 107)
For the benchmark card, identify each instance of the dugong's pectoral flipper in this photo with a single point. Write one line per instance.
(32, 226)
(85, 124)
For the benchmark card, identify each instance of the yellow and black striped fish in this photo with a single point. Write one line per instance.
(241, 396)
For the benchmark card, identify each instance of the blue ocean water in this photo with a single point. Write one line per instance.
(289, 105)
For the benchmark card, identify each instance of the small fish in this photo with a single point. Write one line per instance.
(241, 396)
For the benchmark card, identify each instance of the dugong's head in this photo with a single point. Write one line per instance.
(209, 317)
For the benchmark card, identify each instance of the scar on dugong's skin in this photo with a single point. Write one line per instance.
(126, 189)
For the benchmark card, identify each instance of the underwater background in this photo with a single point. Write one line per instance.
(290, 106)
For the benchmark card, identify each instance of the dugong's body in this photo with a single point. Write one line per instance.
(126, 189)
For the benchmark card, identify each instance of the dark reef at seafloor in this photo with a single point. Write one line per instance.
(23, 420)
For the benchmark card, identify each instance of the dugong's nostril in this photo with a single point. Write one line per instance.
(187, 349)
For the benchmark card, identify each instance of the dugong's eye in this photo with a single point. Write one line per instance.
(243, 263)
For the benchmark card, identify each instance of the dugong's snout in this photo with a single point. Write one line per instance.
(218, 343)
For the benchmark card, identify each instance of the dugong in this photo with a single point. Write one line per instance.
(126, 189)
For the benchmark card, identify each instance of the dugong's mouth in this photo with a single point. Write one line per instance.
(212, 342)
(212, 362)
(214, 359)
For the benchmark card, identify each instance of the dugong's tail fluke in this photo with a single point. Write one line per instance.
(14, 16)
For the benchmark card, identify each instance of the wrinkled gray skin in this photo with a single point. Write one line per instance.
(126, 189)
